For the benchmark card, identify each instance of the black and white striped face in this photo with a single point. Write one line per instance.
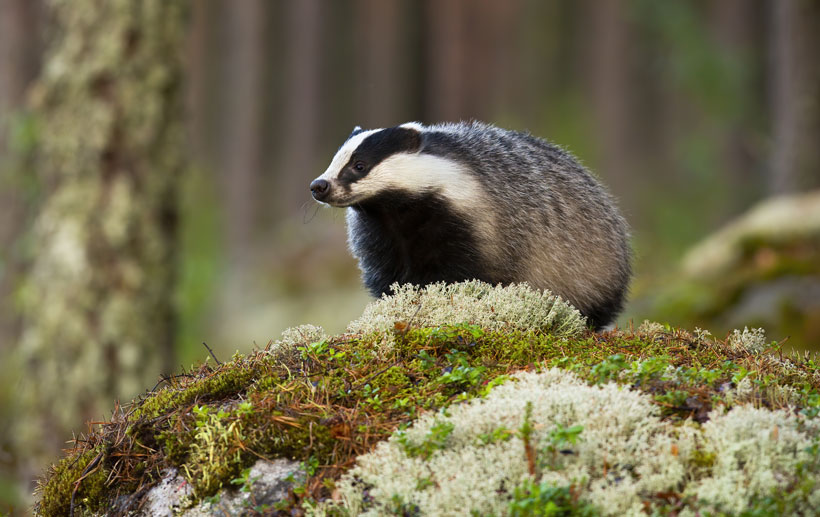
(367, 163)
(380, 160)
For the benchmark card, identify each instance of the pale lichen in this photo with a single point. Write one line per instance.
(496, 308)
(651, 328)
(750, 340)
(623, 451)
(300, 335)
(621, 455)
(759, 454)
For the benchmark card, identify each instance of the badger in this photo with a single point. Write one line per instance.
(462, 201)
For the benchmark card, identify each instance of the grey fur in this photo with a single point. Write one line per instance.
(540, 218)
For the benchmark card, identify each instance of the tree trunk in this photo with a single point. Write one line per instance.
(608, 79)
(303, 109)
(734, 29)
(446, 87)
(243, 157)
(19, 60)
(19, 53)
(98, 321)
(795, 92)
(490, 72)
(381, 89)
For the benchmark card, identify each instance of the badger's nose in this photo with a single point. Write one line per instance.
(319, 188)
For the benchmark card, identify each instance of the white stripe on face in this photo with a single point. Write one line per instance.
(419, 172)
(343, 155)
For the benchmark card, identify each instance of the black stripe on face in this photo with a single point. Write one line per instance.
(376, 148)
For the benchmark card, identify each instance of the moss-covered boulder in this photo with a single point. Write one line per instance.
(762, 270)
(460, 400)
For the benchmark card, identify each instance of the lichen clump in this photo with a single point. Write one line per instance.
(606, 445)
(753, 340)
(514, 307)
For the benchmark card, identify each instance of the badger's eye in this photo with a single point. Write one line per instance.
(358, 166)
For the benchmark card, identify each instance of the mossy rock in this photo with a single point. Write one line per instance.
(415, 396)
(762, 269)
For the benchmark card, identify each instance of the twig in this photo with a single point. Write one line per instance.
(530, 453)
(370, 378)
(212, 353)
(414, 315)
(86, 472)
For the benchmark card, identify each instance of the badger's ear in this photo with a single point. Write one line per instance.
(356, 131)
(418, 126)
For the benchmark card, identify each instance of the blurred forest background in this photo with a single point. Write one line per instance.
(155, 158)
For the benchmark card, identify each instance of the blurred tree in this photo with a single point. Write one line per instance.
(19, 55)
(242, 135)
(735, 26)
(382, 87)
(795, 88)
(471, 62)
(98, 321)
(446, 89)
(20, 22)
(199, 61)
(19, 61)
(302, 111)
(608, 78)
(491, 64)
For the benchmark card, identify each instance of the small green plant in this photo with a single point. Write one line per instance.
(316, 349)
(526, 431)
(434, 440)
(674, 398)
(497, 381)
(812, 408)
(532, 499)
(298, 487)
(244, 481)
(244, 408)
(310, 466)
(401, 403)
(371, 396)
(402, 507)
(461, 333)
(562, 436)
(499, 434)
(609, 368)
(739, 375)
(424, 483)
(213, 500)
(648, 369)
(461, 375)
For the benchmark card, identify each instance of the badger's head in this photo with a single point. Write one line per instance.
(371, 162)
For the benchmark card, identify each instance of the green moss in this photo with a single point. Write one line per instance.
(231, 378)
(703, 459)
(64, 478)
(434, 440)
(331, 400)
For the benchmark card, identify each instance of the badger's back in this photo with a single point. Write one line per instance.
(560, 228)
(498, 206)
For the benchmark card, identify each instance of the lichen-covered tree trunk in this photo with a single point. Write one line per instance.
(98, 322)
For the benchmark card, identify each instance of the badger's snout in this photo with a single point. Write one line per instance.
(320, 188)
